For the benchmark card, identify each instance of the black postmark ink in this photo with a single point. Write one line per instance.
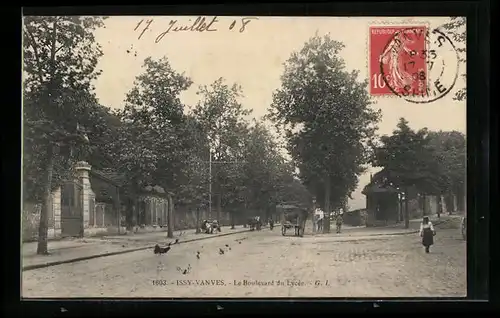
(439, 81)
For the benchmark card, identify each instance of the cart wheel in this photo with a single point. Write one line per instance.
(283, 230)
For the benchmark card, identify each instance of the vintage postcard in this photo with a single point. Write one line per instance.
(243, 156)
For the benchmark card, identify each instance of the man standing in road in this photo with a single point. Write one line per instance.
(320, 223)
(271, 223)
(339, 221)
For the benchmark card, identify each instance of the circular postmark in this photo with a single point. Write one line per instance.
(418, 65)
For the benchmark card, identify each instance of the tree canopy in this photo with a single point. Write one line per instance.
(457, 26)
(60, 57)
(433, 162)
(325, 113)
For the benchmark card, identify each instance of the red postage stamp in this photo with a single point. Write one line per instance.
(398, 60)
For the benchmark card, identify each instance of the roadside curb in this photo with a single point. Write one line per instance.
(395, 233)
(84, 258)
(373, 234)
(405, 233)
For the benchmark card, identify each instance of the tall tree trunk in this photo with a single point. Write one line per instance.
(424, 207)
(197, 220)
(407, 209)
(118, 208)
(170, 218)
(43, 227)
(439, 205)
(219, 207)
(400, 207)
(245, 213)
(449, 202)
(460, 199)
(326, 219)
(453, 203)
(129, 213)
(232, 218)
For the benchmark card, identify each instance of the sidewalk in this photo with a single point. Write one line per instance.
(445, 222)
(350, 231)
(78, 249)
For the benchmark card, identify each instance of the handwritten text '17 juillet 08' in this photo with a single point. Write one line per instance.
(199, 25)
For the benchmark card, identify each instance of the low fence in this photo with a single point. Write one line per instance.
(355, 217)
(185, 217)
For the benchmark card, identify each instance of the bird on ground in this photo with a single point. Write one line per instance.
(221, 251)
(161, 250)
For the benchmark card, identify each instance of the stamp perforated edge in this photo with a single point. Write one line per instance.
(387, 23)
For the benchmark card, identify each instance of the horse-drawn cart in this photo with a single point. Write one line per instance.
(254, 223)
(292, 217)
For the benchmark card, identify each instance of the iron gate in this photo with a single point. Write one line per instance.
(72, 209)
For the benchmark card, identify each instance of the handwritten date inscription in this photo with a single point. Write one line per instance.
(200, 24)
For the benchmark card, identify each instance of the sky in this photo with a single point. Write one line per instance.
(254, 59)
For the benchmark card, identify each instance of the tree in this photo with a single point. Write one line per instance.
(193, 184)
(59, 65)
(223, 120)
(152, 147)
(409, 161)
(449, 148)
(457, 27)
(263, 169)
(324, 111)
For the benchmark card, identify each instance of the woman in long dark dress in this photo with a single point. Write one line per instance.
(427, 233)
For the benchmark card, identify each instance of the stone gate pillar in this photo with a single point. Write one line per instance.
(56, 209)
(82, 171)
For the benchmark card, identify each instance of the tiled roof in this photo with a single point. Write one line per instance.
(376, 188)
(379, 184)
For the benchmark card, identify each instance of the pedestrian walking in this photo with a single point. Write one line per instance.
(320, 224)
(427, 233)
(339, 222)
